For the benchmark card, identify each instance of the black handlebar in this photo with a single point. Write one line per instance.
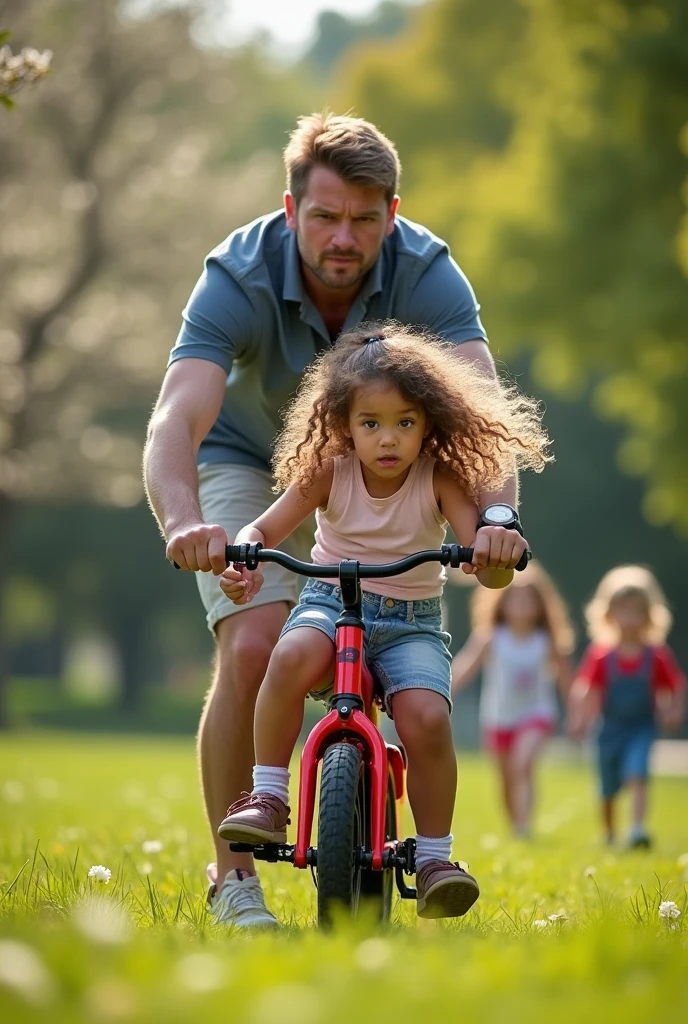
(251, 555)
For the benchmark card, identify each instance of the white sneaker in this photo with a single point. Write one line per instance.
(239, 901)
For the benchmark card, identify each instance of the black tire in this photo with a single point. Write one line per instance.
(341, 830)
(377, 887)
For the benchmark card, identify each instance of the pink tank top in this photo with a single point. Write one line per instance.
(355, 525)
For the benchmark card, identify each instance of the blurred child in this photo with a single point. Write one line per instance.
(522, 640)
(630, 681)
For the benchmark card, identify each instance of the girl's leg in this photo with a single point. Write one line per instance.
(302, 661)
(638, 789)
(503, 761)
(635, 767)
(638, 835)
(422, 721)
(608, 817)
(527, 747)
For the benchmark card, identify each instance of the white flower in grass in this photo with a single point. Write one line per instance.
(668, 909)
(23, 971)
(540, 923)
(102, 921)
(100, 873)
(201, 972)
(373, 954)
(561, 916)
(152, 846)
(13, 791)
(145, 868)
(590, 871)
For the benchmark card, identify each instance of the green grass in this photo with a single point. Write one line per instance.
(142, 949)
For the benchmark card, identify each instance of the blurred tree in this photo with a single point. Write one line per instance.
(116, 178)
(337, 34)
(549, 142)
(107, 574)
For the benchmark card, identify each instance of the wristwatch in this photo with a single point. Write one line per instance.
(500, 515)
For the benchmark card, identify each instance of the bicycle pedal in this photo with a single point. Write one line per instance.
(271, 852)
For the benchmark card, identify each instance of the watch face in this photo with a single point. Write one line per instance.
(497, 515)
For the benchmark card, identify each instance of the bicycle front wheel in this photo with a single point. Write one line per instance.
(341, 830)
(377, 887)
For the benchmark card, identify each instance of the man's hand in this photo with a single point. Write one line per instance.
(496, 548)
(199, 548)
(240, 584)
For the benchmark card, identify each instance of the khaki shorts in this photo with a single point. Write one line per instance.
(233, 496)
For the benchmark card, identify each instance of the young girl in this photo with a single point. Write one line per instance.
(629, 680)
(522, 640)
(388, 440)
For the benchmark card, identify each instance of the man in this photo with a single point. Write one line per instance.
(273, 295)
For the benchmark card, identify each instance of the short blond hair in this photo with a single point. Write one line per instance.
(628, 581)
(353, 148)
(487, 607)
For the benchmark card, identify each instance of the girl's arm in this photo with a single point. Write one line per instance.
(275, 524)
(564, 673)
(584, 706)
(469, 660)
(462, 515)
(671, 689)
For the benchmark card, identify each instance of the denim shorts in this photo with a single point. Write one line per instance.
(405, 645)
(623, 754)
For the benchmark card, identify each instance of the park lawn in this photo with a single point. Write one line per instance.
(142, 949)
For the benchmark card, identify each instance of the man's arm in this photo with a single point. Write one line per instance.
(444, 301)
(494, 546)
(478, 351)
(189, 403)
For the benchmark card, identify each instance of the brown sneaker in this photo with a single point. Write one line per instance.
(256, 818)
(445, 890)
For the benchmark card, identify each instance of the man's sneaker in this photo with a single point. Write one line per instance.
(240, 901)
(257, 818)
(444, 890)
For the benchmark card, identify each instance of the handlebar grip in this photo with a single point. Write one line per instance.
(243, 554)
(524, 559)
(459, 555)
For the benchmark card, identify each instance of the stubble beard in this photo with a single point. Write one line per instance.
(335, 281)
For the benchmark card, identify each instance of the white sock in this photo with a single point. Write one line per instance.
(428, 849)
(274, 781)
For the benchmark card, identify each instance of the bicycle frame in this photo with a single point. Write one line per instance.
(352, 716)
(352, 713)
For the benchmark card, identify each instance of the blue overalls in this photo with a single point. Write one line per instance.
(627, 726)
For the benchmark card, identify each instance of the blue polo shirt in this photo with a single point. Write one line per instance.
(250, 314)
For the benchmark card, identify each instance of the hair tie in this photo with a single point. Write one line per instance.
(377, 337)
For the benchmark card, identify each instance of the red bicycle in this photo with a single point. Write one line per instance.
(359, 855)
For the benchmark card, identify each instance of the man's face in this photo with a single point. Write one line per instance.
(339, 227)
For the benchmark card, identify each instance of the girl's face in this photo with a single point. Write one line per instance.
(521, 608)
(629, 615)
(386, 429)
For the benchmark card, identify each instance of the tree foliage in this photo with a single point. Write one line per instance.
(549, 142)
(135, 157)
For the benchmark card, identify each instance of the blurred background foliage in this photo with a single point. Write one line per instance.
(547, 142)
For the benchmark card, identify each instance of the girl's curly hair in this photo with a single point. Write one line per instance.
(482, 429)
(487, 607)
